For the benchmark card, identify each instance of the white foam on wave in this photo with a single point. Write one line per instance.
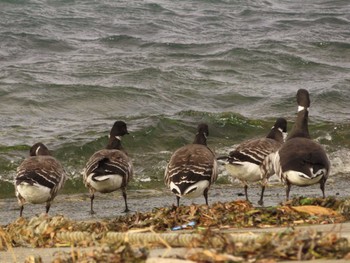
(340, 161)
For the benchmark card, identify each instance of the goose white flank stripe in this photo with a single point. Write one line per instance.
(109, 169)
(301, 161)
(39, 178)
(244, 163)
(192, 169)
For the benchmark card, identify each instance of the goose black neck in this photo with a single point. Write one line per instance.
(114, 143)
(300, 128)
(39, 149)
(275, 134)
(200, 139)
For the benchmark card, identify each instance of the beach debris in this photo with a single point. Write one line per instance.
(33, 259)
(189, 225)
(329, 202)
(270, 247)
(277, 246)
(119, 252)
(44, 231)
(340, 205)
(211, 228)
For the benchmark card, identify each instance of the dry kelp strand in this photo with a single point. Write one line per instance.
(112, 253)
(329, 202)
(288, 245)
(296, 245)
(210, 255)
(174, 239)
(76, 236)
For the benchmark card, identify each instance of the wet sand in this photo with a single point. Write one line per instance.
(77, 206)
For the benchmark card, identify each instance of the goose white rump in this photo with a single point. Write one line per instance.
(193, 191)
(106, 183)
(301, 179)
(244, 171)
(35, 194)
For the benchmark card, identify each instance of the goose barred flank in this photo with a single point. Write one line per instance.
(244, 163)
(192, 169)
(39, 178)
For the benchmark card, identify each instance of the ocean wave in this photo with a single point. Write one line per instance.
(153, 139)
(122, 40)
(330, 19)
(70, 69)
(334, 45)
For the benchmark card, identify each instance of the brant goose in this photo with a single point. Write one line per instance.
(109, 169)
(38, 178)
(244, 163)
(301, 161)
(192, 168)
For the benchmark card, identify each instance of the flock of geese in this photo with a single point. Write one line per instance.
(192, 169)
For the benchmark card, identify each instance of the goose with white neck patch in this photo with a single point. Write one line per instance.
(192, 169)
(301, 161)
(109, 169)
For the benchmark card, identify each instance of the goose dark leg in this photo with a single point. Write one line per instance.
(205, 193)
(48, 205)
(92, 196)
(246, 192)
(261, 201)
(288, 190)
(178, 201)
(322, 185)
(126, 203)
(21, 210)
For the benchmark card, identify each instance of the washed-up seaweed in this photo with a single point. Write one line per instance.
(236, 214)
(342, 206)
(329, 202)
(43, 231)
(272, 247)
(119, 252)
(210, 233)
(289, 245)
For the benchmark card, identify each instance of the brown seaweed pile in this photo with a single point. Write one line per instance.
(273, 247)
(211, 230)
(120, 252)
(43, 231)
(293, 245)
(236, 214)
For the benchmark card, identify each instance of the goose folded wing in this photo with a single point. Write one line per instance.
(309, 163)
(38, 177)
(106, 164)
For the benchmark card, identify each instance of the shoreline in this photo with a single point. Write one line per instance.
(75, 208)
(107, 206)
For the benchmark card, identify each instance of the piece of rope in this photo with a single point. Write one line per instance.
(173, 239)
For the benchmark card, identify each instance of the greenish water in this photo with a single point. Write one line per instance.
(150, 147)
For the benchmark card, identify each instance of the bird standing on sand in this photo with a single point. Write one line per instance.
(301, 161)
(192, 168)
(109, 169)
(244, 163)
(39, 178)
